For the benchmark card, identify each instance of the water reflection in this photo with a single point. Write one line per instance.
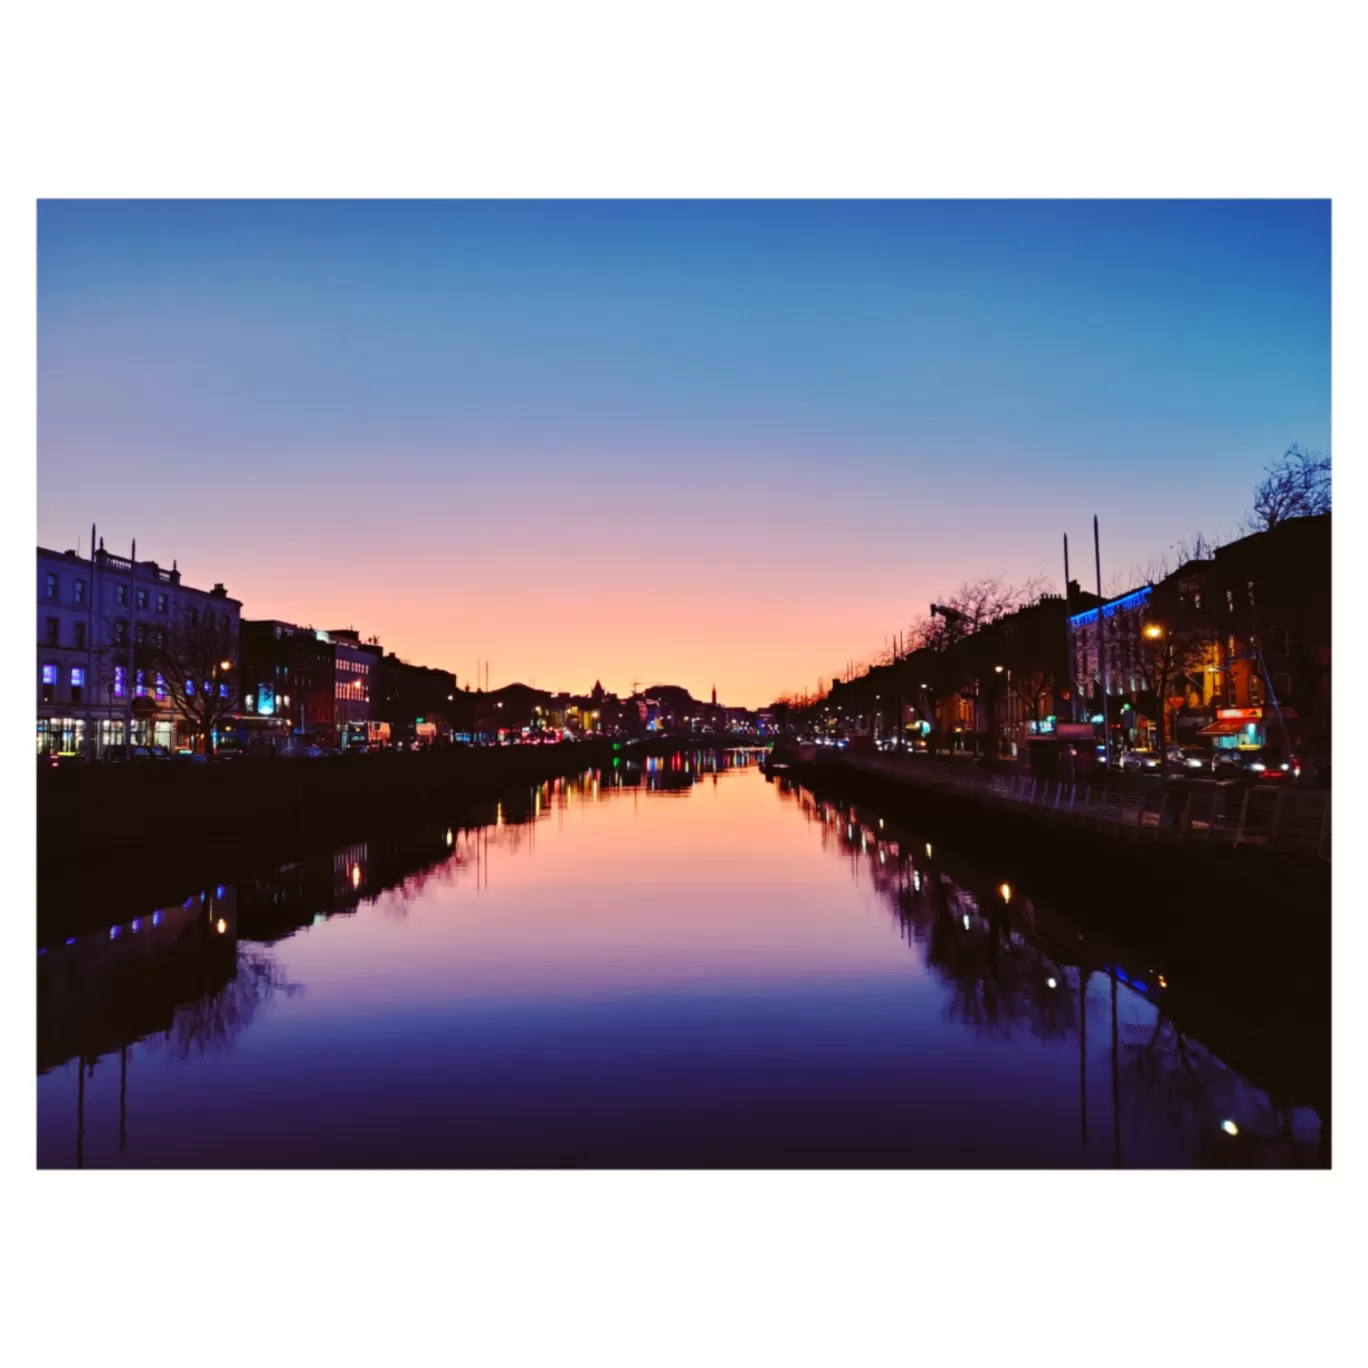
(1008, 972)
(584, 973)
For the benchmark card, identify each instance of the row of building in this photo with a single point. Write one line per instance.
(1228, 651)
(129, 654)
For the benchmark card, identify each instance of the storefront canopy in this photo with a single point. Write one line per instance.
(1226, 726)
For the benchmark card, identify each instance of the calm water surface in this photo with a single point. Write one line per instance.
(678, 964)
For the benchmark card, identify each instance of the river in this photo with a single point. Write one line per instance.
(678, 963)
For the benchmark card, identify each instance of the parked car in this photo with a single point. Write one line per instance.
(1140, 761)
(121, 754)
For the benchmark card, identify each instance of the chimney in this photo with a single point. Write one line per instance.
(218, 591)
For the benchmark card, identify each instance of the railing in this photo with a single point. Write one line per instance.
(1275, 817)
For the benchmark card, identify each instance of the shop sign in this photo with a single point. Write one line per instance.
(1240, 714)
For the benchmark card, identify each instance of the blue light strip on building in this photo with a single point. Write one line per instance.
(1139, 596)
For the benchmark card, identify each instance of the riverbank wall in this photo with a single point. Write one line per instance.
(149, 830)
(1203, 899)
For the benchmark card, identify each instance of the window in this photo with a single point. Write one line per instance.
(142, 598)
(140, 684)
(1250, 586)
(192, 616)
(1277, 641)
(77, 682)
(52, 586)
(161, 689)
(1230, 600)
(161, 603)
(121, 631)
(140, 633)
(49, 682)
(223, 691)
(1282, 686)
(190, 687)
(79, 629)
(53, 627)
(119, 681)
(1255, 691)
(80, 590)
(1197, 599)
(121, 594)
(159, 638)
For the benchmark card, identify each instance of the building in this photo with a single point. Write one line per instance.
(414, 697)
(1270, 594)
(119, 646)
(288, 672)
(356, 676)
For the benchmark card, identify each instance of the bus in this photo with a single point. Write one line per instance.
(365, 735)
(250, 735)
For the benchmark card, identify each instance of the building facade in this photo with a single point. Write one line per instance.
(108, 628)
(288, 672)
(416, 700)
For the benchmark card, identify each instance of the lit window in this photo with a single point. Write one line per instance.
(142, 598)
(161, 689)
(190, 687)
(121, 593)
(49, 682)
(118, 681)
(161, 603)
(139, 684)
(77, 682)
(223, 691)
(80, 591)
(52, 586)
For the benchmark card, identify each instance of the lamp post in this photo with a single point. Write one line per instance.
(1007, 670)
(1154, 633)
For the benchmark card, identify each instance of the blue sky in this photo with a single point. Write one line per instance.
(665, 440)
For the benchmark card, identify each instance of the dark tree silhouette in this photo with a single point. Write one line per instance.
(1296, 486)
(191, 659)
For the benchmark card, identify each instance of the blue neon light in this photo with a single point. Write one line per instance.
(71, 940)
(1108, 609)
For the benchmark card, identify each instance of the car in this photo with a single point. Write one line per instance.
(1141, 761)
(1188, 759)
(1250, 764)
(121, 754)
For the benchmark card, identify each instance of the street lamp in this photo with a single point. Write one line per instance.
(1154, 631)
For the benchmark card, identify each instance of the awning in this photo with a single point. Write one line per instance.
(1226, 726)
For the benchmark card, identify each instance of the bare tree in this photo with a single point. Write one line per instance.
(1296, 486)
(191, 659)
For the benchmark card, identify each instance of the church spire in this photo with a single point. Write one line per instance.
(714, 702)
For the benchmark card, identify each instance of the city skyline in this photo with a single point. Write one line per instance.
(689, 443)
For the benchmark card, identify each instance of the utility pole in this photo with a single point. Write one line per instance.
(92, 751)
(1102, 650)
(128, 683)
(1068, 639)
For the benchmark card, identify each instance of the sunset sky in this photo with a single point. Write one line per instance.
(665, 442)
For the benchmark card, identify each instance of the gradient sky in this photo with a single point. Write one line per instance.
(665, 442)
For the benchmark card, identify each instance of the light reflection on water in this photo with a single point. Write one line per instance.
(587, 974)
